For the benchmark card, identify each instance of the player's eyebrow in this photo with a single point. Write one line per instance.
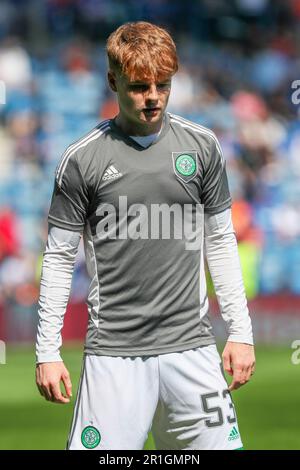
(138, 82)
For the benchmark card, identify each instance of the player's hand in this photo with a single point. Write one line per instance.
(48, 378)
(238, 361)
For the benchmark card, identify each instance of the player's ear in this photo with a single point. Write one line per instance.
(111, 77)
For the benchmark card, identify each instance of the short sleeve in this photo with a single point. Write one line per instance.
(70, 198)
(215, 191)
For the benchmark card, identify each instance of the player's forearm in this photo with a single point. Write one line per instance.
(224, 266)
(57, 270)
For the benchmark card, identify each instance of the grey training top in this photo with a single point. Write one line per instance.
(148, 291)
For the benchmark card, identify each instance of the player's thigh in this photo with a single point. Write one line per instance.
(116, 400)
(195, 409)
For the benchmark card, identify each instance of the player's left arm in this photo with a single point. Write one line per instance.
(224, 265)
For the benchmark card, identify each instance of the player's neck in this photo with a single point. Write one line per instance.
(134, 129)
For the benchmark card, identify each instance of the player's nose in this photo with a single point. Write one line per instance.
(152, 94)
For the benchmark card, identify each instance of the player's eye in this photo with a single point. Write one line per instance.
(163, 86)
(138, 87)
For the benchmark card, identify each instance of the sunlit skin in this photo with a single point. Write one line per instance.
(142, 103)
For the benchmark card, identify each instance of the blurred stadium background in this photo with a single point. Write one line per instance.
(239, 59)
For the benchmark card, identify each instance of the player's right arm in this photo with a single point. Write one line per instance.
(67, 218)
(57, 270)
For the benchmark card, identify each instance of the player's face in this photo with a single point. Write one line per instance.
(141, 103)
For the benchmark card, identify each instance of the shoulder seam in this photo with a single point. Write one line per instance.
(93, 135)
(182, 120)
(185, 123)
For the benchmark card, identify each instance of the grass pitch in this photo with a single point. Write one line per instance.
(267, 407)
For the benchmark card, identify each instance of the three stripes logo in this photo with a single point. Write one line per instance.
(111, 173)
(234, 434)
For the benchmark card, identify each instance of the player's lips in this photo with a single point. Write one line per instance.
(151, 111)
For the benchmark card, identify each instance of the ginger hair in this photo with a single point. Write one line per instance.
(142, 51)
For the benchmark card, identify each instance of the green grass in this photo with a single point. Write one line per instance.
(267, 407)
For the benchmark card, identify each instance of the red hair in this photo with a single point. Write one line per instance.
(142, 51)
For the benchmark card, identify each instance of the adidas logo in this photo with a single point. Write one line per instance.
(234, 434)
(111, 173)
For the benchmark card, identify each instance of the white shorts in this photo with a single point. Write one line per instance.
(182, 397)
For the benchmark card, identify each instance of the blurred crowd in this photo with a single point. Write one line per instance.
(239, 59)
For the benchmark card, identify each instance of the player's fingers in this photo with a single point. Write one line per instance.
(240, 377)
(249, 373)
(46, 392)
(243, 376)
(226, 364)
(42, 385)
(57, 396)
(67, 384)
(40, 389)
(38, 383)
(235, 384)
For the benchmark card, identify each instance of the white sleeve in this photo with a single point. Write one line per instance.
(57, 270)
(224, 266)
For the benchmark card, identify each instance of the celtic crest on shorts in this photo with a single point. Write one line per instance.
(90, 437)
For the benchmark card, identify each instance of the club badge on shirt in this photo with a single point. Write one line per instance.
(185, 165)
